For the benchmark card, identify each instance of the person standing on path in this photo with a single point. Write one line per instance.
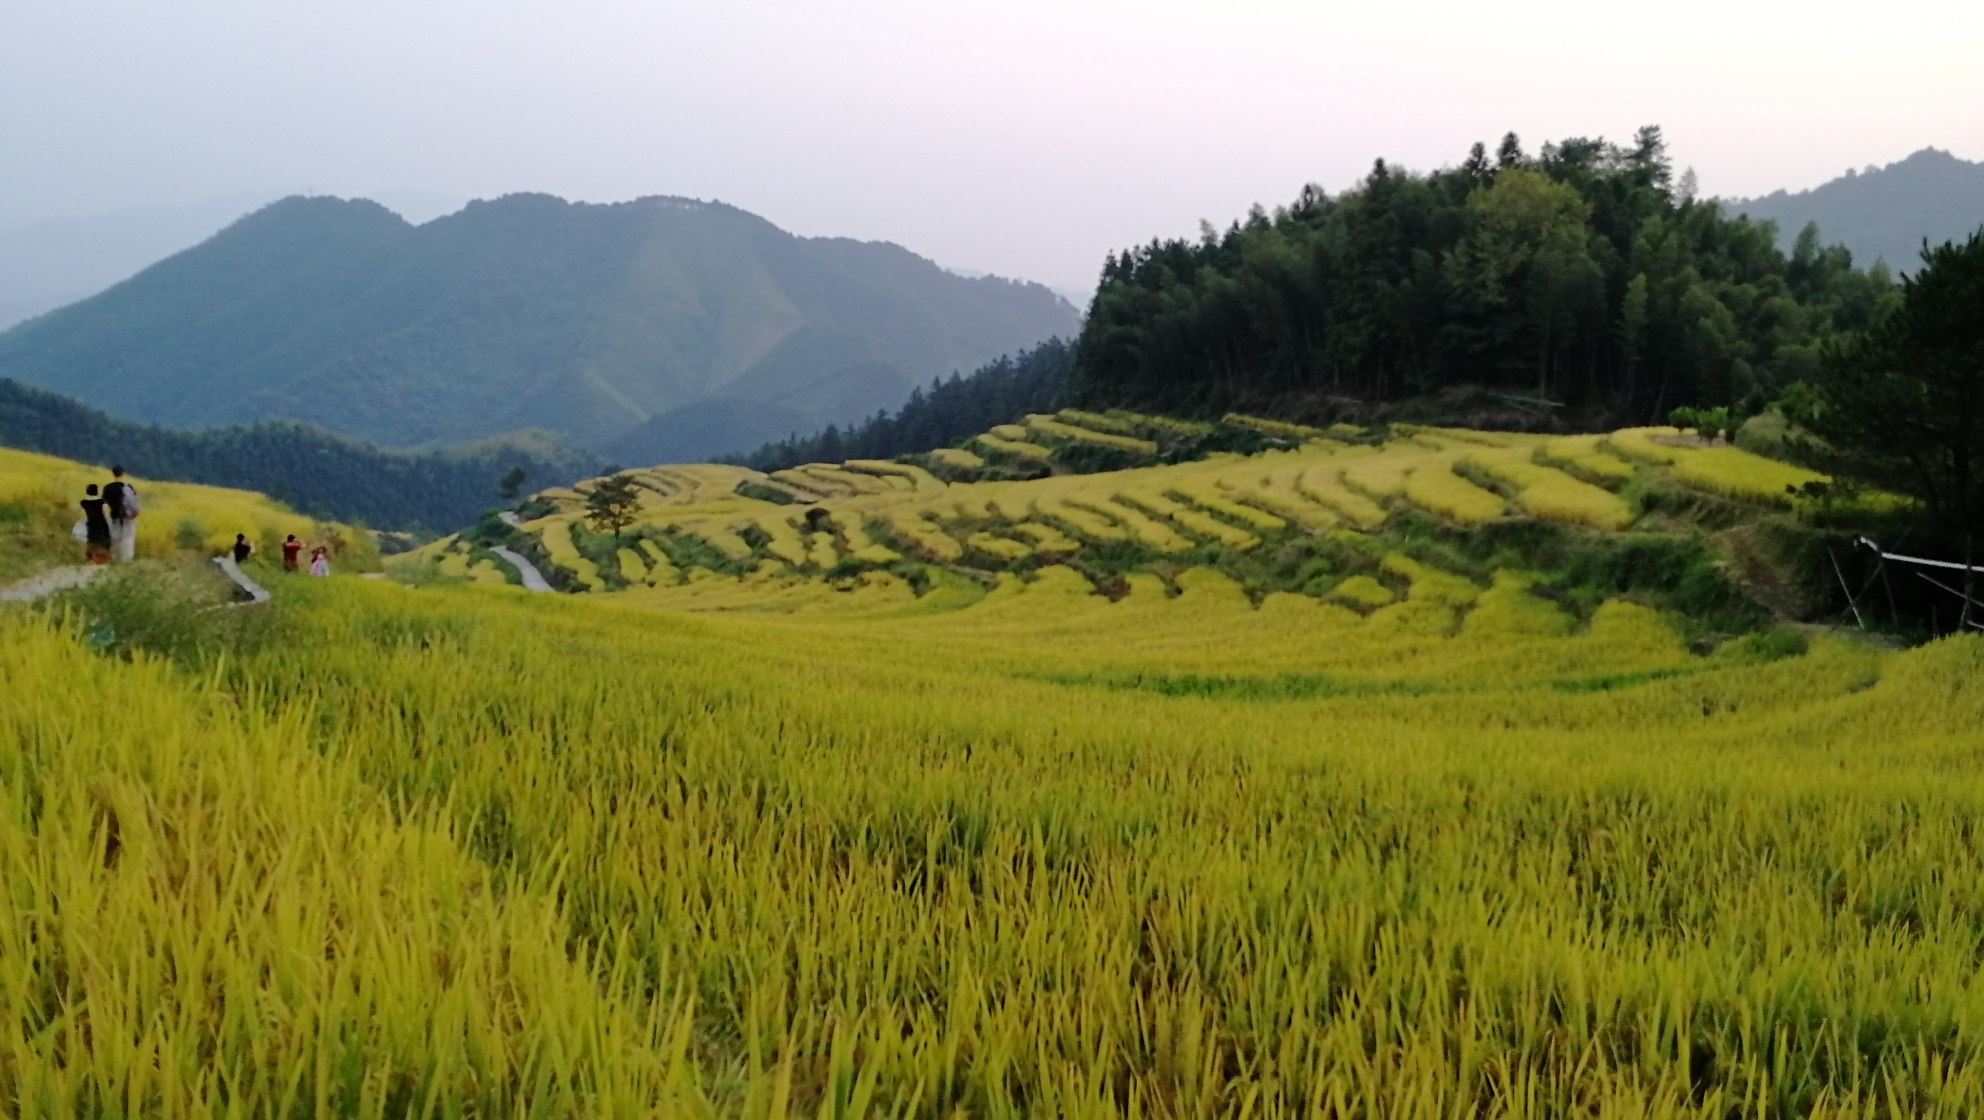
(242, 548)
(122, 499)
(96, 528)
(320, 561)
(290, 547)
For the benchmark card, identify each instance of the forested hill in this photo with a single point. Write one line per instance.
(1582, 276)
(524, 312)
(315, 471)
(1883, 213)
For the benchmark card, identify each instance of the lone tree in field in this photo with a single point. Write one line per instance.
(613, 504)
(1902, 405)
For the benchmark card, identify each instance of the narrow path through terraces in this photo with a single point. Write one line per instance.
(533, 579)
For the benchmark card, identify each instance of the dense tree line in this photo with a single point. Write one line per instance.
(1901, 405)
(1582, 275)
(315, 471)
(965, 405)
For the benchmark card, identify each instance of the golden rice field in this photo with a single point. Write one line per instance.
(801, 810)
(455, 850)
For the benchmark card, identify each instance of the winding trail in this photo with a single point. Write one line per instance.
(533, 579)
(256, 592)
(51, 581)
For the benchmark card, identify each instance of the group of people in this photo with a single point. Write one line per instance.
(110, 520)
(109, 529)
(320, 557)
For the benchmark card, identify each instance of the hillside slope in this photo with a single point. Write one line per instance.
(527, 311)
(307, 466)
(1882, 213)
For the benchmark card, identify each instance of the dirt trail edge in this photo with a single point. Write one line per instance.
(49, 582)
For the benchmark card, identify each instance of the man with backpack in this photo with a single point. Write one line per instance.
(122, 500)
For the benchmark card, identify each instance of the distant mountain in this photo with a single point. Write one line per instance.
(313, 470)
(47, 264)
(1883, 212)
(601, 322)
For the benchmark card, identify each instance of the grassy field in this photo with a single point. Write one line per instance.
(1429, 834)
(38, 504)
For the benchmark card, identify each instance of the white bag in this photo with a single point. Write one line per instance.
(82, 531)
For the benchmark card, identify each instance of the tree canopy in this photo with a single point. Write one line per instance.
(1584, 275)
(1902, 404)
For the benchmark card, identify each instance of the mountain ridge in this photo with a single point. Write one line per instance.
(1881, 213)
(522, 311)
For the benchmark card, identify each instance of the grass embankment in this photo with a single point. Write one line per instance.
(38, 505)
(449, 851)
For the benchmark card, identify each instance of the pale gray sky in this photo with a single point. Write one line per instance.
(1024, 137)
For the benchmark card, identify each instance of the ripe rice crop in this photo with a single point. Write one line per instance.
(556, 533)
(1208, 497)
(632, 569)
(957, 457)
(1046, 538)
(1095, 421)
(860, 545)
(1162, 423)
(782, 539)
(820, 550)
(660, 569)
(1508, 609)
(1583, 453)
(1325, 485)
(1739, 474)
(1465, 435)
(1436, 487)
(1363, 591)
(1010, 431)
(1551, 494)
(910, 525)
(726, 540)
(1272, 427)
(1048, 426)
(845, 481)
(1638, 443)
(1017, 447)
(1277, 491)
(1001, 547)
(919, 479)
(1127, 510)
(1207, 525)
(1084, 521)
(472, 853)
(1383, 475)
(1431, 585)
(488, 572)
(810, 487)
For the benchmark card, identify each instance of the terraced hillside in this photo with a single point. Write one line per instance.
(1326, 515)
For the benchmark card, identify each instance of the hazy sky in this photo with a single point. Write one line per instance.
(1020, 137)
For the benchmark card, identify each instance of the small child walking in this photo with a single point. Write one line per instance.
(320, 561)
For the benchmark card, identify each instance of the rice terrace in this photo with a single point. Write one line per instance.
(1436, 773)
